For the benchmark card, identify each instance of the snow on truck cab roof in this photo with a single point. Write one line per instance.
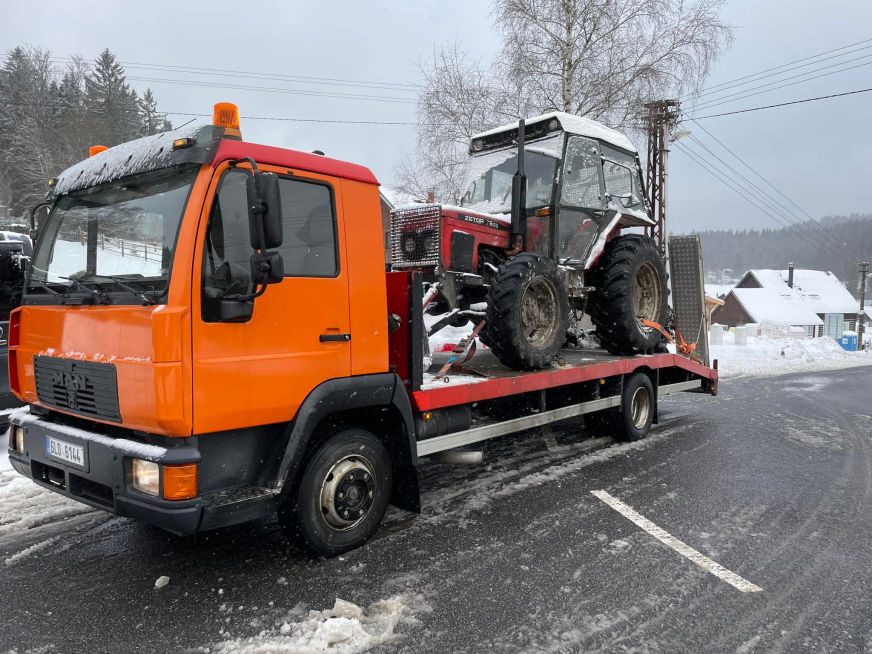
(194, 143)
(544, 125)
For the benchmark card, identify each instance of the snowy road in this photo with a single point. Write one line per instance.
(771, 480)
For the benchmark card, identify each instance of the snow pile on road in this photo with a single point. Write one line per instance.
(24, 505)
(345, 629)
(772, 356)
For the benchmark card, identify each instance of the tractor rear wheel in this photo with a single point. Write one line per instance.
(527, 312)
(630, 281)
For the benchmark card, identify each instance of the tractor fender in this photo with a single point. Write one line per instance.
(345, 394)
(600, 244)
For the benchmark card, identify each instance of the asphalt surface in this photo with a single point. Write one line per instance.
(772, 479)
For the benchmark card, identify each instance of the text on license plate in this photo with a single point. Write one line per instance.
(66, 451)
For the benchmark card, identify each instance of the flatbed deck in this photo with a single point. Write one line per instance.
(574, 366)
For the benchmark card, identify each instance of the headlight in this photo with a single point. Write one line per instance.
(145, 476)
(16, 438)
(409, 244)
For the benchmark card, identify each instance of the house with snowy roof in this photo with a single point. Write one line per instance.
(795, 297)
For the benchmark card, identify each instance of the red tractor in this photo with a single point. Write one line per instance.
(539, 239)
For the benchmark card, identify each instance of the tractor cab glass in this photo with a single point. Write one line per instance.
(116, 238)
(490, 188)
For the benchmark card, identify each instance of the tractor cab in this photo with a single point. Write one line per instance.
(581, 178)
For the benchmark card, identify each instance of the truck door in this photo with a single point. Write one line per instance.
(259, 371)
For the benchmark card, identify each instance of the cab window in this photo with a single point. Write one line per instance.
(581, 174)
(309, 246)
(227, 256)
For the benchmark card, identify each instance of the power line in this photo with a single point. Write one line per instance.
(280, 118)
(695, 97)
(265, 89)
(814, 223)
(782, 104)
(774, 86)
(777, 206)
(306, 79)
(711, 89)
(725, 179)
(297, 120)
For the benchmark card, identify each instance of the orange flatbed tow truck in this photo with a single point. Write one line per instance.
(208, 336)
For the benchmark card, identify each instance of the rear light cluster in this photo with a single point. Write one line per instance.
(179, 481)
(415, 236)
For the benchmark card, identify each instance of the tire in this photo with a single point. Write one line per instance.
(527, 312)
(344, 492)
(637, 408)
(631, 284)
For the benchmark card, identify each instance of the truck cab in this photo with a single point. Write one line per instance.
(161, 374)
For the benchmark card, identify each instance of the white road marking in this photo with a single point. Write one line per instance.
(682, 548)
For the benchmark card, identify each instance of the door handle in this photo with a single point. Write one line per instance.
(326, 338)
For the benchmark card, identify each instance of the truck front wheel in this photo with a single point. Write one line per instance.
(344, 492)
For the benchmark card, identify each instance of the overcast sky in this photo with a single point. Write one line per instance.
(818, 153)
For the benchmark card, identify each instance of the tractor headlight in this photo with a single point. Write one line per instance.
(409, 244)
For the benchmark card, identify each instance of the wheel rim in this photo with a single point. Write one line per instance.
(347, 492)
(640, 407)
(647, 294)
(539, 317)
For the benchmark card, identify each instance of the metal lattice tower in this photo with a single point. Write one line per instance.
(659, 121)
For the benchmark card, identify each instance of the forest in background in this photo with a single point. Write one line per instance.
(51, 113)
(834, 243)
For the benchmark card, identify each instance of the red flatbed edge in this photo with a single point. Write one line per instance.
(580, 366)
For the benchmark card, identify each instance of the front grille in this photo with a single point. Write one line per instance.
(415, 236)
(83, 387)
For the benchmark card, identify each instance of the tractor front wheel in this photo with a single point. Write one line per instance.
(527, 312)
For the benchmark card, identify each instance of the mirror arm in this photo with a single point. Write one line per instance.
(235, 162)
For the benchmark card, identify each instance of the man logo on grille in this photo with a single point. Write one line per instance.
(72, 382)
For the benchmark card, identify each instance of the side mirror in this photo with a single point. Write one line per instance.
(264, 210)
(267, 267)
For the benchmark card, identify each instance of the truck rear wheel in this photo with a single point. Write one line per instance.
(632, 420)
(630, 286)
(344, 492)
(527, 312)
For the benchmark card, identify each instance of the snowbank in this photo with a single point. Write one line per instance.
(764, 356)
(24, 505)
(345, 629)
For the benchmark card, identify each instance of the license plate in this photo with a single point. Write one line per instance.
(74, 454)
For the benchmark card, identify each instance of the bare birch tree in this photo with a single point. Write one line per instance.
(598, 58)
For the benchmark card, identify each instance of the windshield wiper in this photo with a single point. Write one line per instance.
(96, 295)
(45, 286)
(140, 294)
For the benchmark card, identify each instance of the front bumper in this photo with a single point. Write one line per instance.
(101, 480)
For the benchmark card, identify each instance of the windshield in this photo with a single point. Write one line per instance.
(490, 188)
(117, 237)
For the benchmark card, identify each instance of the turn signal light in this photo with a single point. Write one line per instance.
(180, 481)
(96, 149)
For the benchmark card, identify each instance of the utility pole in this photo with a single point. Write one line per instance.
(662, 116)
(861, 317)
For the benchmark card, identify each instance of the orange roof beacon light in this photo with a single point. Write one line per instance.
(226, 115)
(96, 149)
